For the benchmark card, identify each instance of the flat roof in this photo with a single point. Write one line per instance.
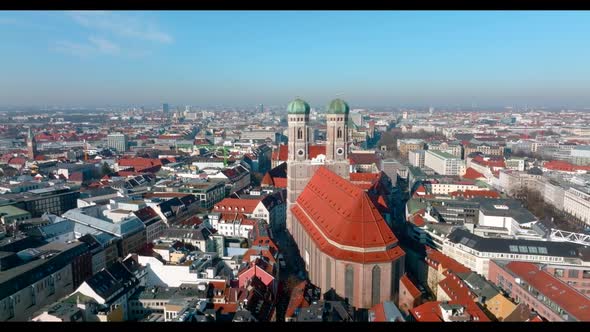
(443, 154)
(10, 210)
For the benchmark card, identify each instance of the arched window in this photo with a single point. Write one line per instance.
(328, 273)
(376, 285)
(339, 133)
(299, 133)
(349, 283)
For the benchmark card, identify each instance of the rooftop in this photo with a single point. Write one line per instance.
(566, 297)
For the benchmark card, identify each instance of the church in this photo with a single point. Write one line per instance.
(346, 245)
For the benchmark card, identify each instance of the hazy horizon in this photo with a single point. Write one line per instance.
(457, 59)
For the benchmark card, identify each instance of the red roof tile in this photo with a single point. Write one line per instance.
(565, 296)
(471, 173)
(436, 258)
(430, 311)
(237, 205)
(283, 152)
(414, 291)
(331, 208)
(559, 165)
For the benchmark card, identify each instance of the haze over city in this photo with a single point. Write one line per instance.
(229, 58)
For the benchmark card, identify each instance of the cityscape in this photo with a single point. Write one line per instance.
(295, 167)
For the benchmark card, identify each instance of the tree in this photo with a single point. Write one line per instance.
(105, 169)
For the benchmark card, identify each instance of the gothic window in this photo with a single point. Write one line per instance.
(376, 285)
(349, 283)
(299, 133)
(328, 273)
(339, 133)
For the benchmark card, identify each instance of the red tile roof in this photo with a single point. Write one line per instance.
(364, 177)
(414, 291)
(297, 299)
(139, 162)
(565, 296)
(470, 173)
(491, 162)
(331, 208)
(430, 312)
(454, 287)
(559, 165)
(237, 205)
(436, 258)
(283, 152)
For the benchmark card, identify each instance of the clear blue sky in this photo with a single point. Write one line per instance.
(246, 58)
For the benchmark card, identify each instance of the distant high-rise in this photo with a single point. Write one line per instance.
(165, 108)
(117, 142)
(261, 108)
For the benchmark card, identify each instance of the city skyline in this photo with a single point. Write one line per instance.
(246, 58)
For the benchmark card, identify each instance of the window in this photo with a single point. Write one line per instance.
(376, 285)
(573, 273)
(299, 133)
(328, 273)
(349, 283)
(339, 133)
(586, 274)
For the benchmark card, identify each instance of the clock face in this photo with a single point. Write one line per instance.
(340, 151)
(300, 152)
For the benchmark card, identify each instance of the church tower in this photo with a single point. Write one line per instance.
(299, 168)
(337, 138)
(31, 145)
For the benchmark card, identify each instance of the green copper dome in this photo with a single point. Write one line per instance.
(298, 106)
(338, 106)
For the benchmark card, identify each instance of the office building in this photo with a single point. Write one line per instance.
(117, 142)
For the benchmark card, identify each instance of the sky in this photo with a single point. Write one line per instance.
(244, 58)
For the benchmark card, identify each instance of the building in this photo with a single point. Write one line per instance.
(444, 163)
(576, 202)
(46, 274)
(580, 155)
(453, 148)
(406, 145)
(550, 297)
(12, 215)
(174, 268)
(517, 164)
(328, 216)
(111, 288)
(507, 215)
(208, 193)
(117, 142)
(577, 277)
(165, 108)
(416, 157)
(452, 311)
(484, 148)
(55, 200)
(476, 252)
(99, 219)
(326, 213)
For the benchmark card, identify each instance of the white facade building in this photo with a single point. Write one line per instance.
(444, 163)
